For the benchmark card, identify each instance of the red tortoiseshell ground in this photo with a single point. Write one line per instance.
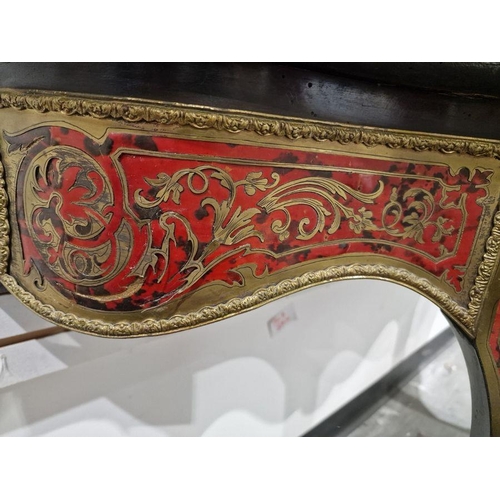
(132, 221)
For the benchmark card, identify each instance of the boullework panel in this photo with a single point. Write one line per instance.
(123, 218)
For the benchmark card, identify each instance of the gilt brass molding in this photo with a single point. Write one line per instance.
(234, 306)
(4, 225)
(199, 117)
(426, 210)
(485, 270)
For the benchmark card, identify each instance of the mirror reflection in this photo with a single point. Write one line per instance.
(358, 358)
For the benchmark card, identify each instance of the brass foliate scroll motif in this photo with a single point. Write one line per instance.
(73, 238)
(286, 197)
(135, 231)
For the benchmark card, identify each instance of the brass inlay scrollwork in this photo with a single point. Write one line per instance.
(228, 229)
(60, 229)
(73, 238)
(302, 192)
(232, 225)
(418, 219)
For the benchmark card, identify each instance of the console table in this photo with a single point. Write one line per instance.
(162, 208)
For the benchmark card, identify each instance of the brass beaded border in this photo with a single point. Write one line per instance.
(202, 117)
(234, 306)
(4, 224)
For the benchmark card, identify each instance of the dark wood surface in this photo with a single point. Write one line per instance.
(474, 78)
(308, 90)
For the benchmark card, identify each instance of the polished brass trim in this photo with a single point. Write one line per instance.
(202, 117)
(234, 306)
(485, 270)
(4, 224)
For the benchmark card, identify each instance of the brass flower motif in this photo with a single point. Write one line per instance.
(363, 221)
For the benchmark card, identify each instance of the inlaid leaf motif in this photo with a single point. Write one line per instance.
(363, 221)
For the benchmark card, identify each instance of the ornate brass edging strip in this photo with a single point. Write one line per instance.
(234, 306)
(485, 268)
(4, 224)
(210, 118)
